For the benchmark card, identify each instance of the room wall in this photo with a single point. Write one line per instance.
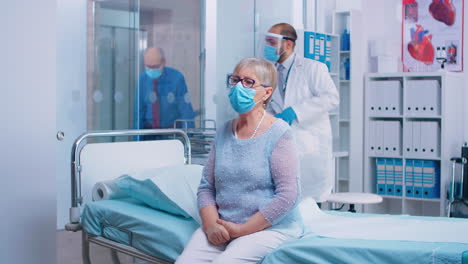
(234, 41)
(382, 20)
(27, 110)
(71, 94)
(210, 67)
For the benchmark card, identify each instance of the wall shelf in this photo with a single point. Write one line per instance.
(422, 158)
(384, 156)
(423, 117)
(392, 197)
(386, 117)
(422, 199)
(424, 141)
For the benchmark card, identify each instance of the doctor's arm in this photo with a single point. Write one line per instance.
(284, 167)
(324, 97)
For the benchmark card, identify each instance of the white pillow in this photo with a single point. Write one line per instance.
(179, 183)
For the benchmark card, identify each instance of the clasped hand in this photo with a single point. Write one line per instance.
(217, 234)
(223, 231)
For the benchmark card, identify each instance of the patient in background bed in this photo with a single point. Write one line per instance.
(249, 190)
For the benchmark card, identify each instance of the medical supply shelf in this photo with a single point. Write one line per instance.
(413, 122)
(325, 48)
(349, 122)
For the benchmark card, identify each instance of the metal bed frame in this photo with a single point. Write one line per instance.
(457, 196)
(200, 138)
(77, 199)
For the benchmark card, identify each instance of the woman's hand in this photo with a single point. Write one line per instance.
(217, 234)
(235, 230)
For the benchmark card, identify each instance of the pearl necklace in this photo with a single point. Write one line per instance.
(255, 131)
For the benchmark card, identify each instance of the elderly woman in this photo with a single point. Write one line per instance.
(250, 186)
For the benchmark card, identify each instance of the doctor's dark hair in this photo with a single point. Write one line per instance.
(287, 30)
(264, 70)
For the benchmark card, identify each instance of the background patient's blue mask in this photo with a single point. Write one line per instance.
(241, 98)
(153, 73)
(270, 53)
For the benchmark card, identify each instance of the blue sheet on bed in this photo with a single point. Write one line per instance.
(132, 223)
(315, 249)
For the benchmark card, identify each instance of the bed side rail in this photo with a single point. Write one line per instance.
(80, 142)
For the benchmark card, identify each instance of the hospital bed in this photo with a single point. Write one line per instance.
(129, 226)
(126, 225)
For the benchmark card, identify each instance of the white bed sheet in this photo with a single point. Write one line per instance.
(385, 227)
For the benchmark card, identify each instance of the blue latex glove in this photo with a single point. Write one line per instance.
(287, 115)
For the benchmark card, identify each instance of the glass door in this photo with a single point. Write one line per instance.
(122, 94)
(115, 78)
(102, 61)
(115, 58)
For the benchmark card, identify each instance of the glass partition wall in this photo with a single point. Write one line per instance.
(119, 32)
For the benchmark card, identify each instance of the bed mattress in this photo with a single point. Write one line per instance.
(164, 236)
(132, 223)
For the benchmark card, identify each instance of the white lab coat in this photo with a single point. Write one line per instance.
(310, 91)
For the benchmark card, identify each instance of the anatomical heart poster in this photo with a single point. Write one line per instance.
(432, 35)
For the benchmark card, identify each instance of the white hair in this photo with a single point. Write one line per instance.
(264, 70)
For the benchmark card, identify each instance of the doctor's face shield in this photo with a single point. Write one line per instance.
(272, 48)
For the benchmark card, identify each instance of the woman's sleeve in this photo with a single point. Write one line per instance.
(284, 167)
(206, 190)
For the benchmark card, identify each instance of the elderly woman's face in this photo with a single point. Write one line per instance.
(246, 73)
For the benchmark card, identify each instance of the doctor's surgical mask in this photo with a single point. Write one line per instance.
(271, 53)
(153, 73)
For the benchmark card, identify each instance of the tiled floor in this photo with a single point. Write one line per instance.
(69, 250)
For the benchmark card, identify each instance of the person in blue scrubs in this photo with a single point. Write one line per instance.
(162, 96)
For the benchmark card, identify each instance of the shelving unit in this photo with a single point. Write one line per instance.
(413, 126)
(325, 47)
(349, 122)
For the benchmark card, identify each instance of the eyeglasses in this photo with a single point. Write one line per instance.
(246, 82)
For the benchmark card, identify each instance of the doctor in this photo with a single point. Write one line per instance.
(304, 97)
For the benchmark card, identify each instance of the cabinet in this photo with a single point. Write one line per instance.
(413, 126)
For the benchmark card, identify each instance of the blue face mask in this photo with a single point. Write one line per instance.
(270, 53)
(241, 98)
(153, 73)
